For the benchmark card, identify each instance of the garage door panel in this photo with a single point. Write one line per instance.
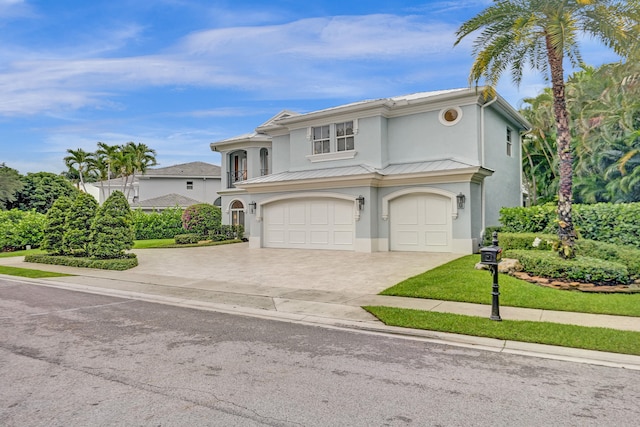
(436, 238)
(297, 214)
(420, 222)
(310, 224)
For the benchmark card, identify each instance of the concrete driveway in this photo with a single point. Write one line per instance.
(334, 271)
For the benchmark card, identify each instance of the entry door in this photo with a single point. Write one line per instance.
(420, 223)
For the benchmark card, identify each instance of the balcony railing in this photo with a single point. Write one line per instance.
(264, 172)
(235, 176)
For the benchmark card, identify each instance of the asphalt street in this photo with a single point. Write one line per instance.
(74, 359)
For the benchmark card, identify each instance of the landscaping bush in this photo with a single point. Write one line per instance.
(55, 226)
(617, 223)
(581, 269)
(186, 239)
(19, 229)
(125, 263)
(79, 218)
(201, 218)
(158, 225)
(226, 232)
(112, 229)
(488, 235)
(626, 255)
(527, 241)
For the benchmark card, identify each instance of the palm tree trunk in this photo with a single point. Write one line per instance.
(566, 232)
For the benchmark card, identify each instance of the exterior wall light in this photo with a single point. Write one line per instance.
(360, 200)
(252, 207)
(461, 199)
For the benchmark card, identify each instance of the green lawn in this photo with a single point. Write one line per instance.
(153, 243)
(600, 339)
(27, 272)
(459, 281)
(20, 253)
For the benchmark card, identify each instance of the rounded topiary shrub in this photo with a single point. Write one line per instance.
(79, 219)
(55, 226)
(112, 229)
(201, 218)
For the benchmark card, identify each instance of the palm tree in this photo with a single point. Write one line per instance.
(141, 158)
(80, 161)
(107, 154)
(515, 34)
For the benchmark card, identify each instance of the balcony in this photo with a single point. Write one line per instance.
(235, 176)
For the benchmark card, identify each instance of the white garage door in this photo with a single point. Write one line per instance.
(421, 223)
(309, 224)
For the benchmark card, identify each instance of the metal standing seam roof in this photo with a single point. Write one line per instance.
(396, 169)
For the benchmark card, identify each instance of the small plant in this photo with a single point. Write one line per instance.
(187, 239)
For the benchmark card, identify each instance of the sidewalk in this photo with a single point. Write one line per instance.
(335, 308)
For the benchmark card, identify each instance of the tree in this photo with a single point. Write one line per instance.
(541, 34)
(79, 218)
(10, 184)
(112, 231)
(79, 160)
(55, 226)
(106, 155)
(141, 157)
(40, 190)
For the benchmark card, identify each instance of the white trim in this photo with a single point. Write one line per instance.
(386, 199)
(444, 110)
(308, 195)
(334, 155)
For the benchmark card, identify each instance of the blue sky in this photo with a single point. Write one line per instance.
(180, 74)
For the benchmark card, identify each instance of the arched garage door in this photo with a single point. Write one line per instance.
(420, 223)
(317, 223)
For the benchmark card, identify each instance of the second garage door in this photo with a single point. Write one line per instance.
(420, 222)
(309, 224)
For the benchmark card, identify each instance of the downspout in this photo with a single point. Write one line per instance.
(482, 157)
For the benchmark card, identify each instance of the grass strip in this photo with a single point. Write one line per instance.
(27, 272)
(21, 253)
(458, 280)
(588, 338)
(171, 243)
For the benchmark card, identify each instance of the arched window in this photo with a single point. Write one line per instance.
(237, 213)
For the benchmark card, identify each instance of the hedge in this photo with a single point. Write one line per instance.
(157, 225)
(18, 229)
(580, 269)
(128, 261)
(186, 239)
(617, 223)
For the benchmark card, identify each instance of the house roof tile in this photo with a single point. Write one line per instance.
(192, 169)
(166, 201)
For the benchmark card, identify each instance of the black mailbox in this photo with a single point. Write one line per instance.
(491, 255)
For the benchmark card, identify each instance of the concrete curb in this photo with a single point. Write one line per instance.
(615, 360)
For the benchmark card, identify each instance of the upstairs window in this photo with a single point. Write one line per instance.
(509, 143)
(321, 140)
(189, 185)
(333, 138)
(344, 136)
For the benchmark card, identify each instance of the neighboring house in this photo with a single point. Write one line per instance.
(159, 188)
(423, 172)
(101, 190)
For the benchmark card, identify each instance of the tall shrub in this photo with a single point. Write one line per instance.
(79, 218)
(55, 226)
(201, 218)
(19, 229)
(158, 225)
(112, 229)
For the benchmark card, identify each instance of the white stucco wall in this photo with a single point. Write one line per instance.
(204, 190)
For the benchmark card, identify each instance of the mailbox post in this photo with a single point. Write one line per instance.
(491, 256)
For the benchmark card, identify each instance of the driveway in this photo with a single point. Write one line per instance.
(336, 271)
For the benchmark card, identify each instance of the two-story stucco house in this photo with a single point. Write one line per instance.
(423, 172)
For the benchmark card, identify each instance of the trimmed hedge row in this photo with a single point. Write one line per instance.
(125, 263)
(617, 223)
(157, 225)
(581, 269)
(625, 255)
